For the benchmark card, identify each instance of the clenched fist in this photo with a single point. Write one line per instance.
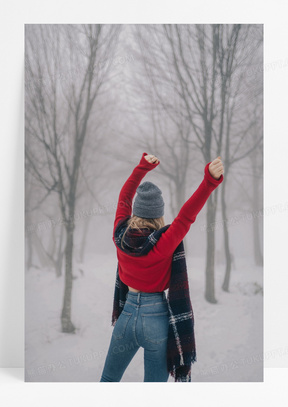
(216, 168)
(151, 159)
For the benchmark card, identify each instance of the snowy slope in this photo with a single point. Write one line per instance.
(229, 334)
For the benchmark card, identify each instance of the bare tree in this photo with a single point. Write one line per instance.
(257, 167)
(189, 86)
(58, 106)
(206, 79)
(241, 136)
(151, 108)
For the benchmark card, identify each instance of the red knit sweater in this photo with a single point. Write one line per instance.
(151, 273)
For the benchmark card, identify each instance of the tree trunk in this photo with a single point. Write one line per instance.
(60, 255)
(180, 200)
(55, 245)
(210, 253)
(29, 252)
(39, 248)
(67, 325)
(225, 285)
(258, 256)
(84, 239)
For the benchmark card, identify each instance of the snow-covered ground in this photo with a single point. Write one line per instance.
(229, 334)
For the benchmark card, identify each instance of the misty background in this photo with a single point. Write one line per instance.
(96, 98)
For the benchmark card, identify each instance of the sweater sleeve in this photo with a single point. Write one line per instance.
(124, 205)
(170, 239)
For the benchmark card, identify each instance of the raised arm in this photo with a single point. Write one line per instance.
(170, 239)
(124, 206)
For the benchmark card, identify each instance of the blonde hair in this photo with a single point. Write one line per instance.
(135, 222)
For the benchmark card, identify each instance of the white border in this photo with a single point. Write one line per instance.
(273, 15)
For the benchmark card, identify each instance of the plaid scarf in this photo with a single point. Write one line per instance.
(181, 350)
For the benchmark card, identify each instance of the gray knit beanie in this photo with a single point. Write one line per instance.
(148, 202)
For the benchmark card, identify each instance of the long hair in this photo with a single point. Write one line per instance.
(135, 222)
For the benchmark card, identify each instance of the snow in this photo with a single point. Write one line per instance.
(229, 334)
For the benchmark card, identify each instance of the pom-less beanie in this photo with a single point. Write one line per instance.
(148, 202)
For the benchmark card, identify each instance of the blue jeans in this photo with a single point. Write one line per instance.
(143, 322)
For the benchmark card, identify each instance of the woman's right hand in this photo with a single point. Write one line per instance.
(216, 168)
(151, 159)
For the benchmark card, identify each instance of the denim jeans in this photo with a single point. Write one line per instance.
(143, 322)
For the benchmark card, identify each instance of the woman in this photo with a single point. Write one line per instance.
(151, 258)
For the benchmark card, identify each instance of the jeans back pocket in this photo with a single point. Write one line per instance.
(121, 324)
(155, 326)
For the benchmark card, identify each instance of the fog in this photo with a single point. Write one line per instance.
(96, 98)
